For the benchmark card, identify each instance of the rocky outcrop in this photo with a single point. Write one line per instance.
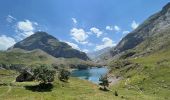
(25, 76)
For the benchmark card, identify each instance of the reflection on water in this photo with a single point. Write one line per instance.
(92, 74)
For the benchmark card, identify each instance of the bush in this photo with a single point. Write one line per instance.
(44, 74)
(64, 75)
(104, 82)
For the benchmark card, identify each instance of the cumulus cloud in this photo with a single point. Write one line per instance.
(74, 20)
(6, 42)
(107, 42)
(79, 35)
(73, 45)
(115, 28)
(125, 32)
(96, 31)
(25, 28)
(134, 25)
(10, 19)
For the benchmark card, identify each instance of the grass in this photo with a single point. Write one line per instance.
(75, 89)
(150, 80)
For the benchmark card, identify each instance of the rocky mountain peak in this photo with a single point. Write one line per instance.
(51, 45)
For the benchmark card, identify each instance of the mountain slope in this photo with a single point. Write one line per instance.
(142, 59)
(51, 45)
(19, 56)
(155, 27)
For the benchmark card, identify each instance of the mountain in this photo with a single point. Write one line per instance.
(51, 45)
(97, 54)
(150, 36)
(142, 59)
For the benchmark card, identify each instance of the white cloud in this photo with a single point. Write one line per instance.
(107, 42)
(96, 31)
(116, 28)
(111, 28)
(125, 32)
(25, 28)
(73, 45)
(25, 25)
(74, 20)
(134, 25)
(79, 35)
(6, 42)
(85, 50)
(10, 18)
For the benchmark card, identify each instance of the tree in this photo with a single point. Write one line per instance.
(44, 74)
(64, 74)
(104, 82)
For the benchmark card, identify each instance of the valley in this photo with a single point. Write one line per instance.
(137, 68)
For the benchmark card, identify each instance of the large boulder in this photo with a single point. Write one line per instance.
(25, 76)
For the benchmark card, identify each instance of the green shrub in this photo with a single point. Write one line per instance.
(64, 75)
(44, 74)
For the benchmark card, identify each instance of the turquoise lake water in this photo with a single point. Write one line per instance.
(91, 74)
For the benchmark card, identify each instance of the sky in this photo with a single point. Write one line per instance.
(86, 25)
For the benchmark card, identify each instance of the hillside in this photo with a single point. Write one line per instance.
(144, 78)
(18, 58)
(151, 35)
(51, 45)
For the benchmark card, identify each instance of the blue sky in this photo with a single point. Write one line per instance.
(87, 25)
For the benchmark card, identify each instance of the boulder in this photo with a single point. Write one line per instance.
(25, 76)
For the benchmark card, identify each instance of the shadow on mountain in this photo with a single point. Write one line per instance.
(40, 88)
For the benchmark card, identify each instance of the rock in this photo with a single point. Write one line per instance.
(25, 76)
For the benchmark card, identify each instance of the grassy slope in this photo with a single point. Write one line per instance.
(149, 81)
(76, 89)
(25, 57)
(19, 56)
